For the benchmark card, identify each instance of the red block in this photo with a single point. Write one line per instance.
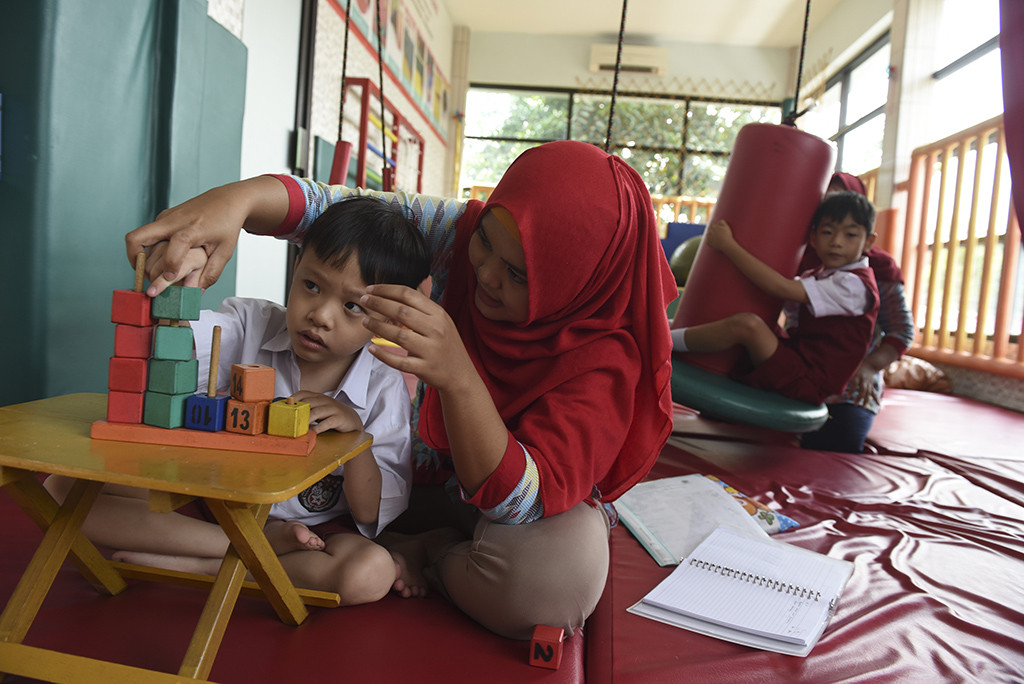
(546, 646)
(131, 308)
(133, 341)
(127, 374)
(124, 407)
(252, 382)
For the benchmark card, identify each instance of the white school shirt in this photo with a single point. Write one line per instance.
(255, 331)
(832, 292)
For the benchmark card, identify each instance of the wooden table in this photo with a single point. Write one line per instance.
(52, 436)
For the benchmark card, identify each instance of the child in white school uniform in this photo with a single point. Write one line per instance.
(317, 346)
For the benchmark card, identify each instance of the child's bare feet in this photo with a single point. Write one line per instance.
(286, 536)
(412, 553)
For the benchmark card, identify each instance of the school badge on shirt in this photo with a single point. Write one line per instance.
(322, 496)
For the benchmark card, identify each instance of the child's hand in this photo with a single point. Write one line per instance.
(862, 384)
(719, 235)
(188, 275)
(326, 413)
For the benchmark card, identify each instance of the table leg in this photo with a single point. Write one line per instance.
(32, 497)
(64, 529)
(245, 530)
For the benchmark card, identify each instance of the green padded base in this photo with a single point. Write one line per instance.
(716, 396)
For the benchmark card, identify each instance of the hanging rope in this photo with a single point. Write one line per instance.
(344, 68)
(615, 79)
(387, 177)
(794, 114)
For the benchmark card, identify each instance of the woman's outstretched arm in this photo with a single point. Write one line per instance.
(211, 222)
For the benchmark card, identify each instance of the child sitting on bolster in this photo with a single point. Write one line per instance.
(830, 310)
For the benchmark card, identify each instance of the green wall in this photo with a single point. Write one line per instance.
(112, 111)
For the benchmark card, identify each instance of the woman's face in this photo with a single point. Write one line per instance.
(500, 266)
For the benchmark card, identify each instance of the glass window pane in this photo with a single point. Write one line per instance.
(713, 126)
(649, 123)
(703, 174)
(484, 161)
(823, 119)
(516, 114)
(660, 170)
(964, 25)
(590, 118)
(862, 146)
(969, 95)
(869, 85)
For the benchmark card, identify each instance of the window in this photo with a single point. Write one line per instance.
(851, 112)
(678, 145)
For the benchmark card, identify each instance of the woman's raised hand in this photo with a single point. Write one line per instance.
(410, 319)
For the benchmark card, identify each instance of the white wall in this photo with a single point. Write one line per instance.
(270, 31)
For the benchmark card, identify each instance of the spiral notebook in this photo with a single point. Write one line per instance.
(757, 592)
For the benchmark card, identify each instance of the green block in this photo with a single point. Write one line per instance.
(173, 343)
(177, 303)
(173, 377)
(164, 410)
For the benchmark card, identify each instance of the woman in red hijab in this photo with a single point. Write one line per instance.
(544, 355)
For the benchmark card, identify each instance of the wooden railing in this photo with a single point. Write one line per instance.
(681, 209)
(958, 244)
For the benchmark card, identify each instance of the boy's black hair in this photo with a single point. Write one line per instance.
(389, 246)
(838, 205)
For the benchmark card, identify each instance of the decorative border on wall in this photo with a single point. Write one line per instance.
(406, 56)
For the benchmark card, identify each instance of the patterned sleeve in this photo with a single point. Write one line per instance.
(894, 318)
(435, 216)
(523, 504)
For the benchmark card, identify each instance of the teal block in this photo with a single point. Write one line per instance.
(173, 377)
(173, 343)
(177, 303)
(164, 410)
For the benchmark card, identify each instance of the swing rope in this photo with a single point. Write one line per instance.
(615, 79)
(794, 114)
(344, 69)
(384, 175)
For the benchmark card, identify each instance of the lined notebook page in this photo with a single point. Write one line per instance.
(762, 587)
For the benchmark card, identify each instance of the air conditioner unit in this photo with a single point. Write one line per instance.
(636, 59)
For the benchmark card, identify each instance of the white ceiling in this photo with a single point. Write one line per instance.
(757, 23)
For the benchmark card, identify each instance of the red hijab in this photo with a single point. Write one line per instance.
(599, 284)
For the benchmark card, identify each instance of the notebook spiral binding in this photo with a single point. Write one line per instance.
(760, 580)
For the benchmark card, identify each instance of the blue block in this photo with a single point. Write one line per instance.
(206, 413)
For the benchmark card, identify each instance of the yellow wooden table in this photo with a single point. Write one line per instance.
(52, 436)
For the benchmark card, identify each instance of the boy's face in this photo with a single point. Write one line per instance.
(839, 243)
(323, 314)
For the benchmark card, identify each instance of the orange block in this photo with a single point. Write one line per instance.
(252, 382)
(246, 417)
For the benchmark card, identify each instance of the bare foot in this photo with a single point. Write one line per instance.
(412, 553)
(286, 536)
(410, 582)
(193, 564)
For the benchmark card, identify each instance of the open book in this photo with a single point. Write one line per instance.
(757, 592)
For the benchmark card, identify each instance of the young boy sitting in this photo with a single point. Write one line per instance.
(830, 310)
(317, 346)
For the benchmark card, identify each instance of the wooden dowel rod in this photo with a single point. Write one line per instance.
(140, 270)
(211, 387)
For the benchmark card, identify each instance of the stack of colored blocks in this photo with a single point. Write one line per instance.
(252, 390)
(133, 339)
(173, 371)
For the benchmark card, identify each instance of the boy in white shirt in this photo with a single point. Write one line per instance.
(830, 310)
(317, 346)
